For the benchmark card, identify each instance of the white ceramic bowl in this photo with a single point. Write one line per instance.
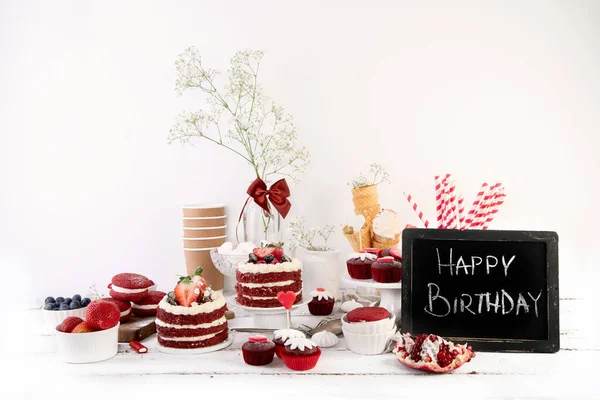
(79, 348)
(226, 263)
(369, 344)
(363, 328)
(56, 317)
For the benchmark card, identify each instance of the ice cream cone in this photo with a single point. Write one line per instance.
(358, 240)
(364, 198)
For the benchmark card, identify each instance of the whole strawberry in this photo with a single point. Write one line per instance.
(199, 280)
(101, 315)
(82, 328)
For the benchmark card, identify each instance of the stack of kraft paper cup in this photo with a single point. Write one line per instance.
(203, 229)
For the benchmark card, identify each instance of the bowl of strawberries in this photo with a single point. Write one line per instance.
(91, 340)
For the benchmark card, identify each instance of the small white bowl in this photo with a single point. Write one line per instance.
(56, 317)
(363, 328)
(79, 348)
(369, 344)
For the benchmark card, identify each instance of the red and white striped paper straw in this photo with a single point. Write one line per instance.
(498, 201)
(417, 210)
(485, 206)
(439, 202)
(461, 212)
(475, 206)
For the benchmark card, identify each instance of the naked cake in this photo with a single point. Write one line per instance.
(267, 272)
(192, 316)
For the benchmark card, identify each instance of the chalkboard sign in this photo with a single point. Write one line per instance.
(496, 290)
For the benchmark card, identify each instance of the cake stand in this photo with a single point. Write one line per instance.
(199, 350)
(267, 318)
(391, 293)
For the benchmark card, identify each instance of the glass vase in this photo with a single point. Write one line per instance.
(257, 225)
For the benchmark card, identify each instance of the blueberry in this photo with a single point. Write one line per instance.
(49, 306)
(60, 300)
(67, 300)
(49, 300)
(75, 305)
(63, 306)
(269, 258)
(85, 301)
(76, 297)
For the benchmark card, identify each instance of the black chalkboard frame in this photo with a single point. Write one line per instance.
(549, 345)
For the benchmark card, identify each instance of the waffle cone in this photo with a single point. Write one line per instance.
(364, 198)
(382, 242)
(358, 240)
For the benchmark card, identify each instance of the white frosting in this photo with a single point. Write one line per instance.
(196, 308)
(126, 312)
(144, 306)
(285, 334)
(321, 295)
(363, 256)
(325, 339)
(119, 289)
(217, 322)
(288, 266)
(387, 224)
(300, 343)
(348, 306)
(266, 298)
(191, 338)
(270, 284)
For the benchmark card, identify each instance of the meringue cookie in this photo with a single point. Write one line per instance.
(348, 306)
(325, 339)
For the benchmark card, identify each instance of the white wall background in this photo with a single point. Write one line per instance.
(506, 91)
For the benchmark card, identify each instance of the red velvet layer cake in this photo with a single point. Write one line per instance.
(267, 272)
(190, 317)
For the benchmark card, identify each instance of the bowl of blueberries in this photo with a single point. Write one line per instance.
(55, 310)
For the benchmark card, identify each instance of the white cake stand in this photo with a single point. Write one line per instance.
(391, 293)
(267, 318)
(199, 350)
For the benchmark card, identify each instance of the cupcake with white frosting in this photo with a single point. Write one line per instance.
(280, 336)
(322, 302)
(359, 265)
(300, 354)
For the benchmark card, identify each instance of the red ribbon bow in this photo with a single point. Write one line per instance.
(277, 195)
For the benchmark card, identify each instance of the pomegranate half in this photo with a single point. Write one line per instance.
(432, 353)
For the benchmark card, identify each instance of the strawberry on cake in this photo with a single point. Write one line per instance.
(192, 316)
(267, 272)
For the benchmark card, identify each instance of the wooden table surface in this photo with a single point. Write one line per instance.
(570, 373)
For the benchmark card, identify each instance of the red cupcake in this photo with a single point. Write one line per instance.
(258, 350)
(124, 308)
(322, 302)
(359, 265)
(393, 252)
(147, 307)
(282, 335)
(129, 287)
(386, 270)
(300, 354)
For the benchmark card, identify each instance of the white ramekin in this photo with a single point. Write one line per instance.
(56, 317)
(79, 348)
(363, 328)
(369, 344)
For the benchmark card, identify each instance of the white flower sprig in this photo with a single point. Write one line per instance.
(378, 175)
(240, 117)
(308, 238)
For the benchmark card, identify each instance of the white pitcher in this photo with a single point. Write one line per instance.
(319, 269)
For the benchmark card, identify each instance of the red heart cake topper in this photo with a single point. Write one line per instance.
(286, 299)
